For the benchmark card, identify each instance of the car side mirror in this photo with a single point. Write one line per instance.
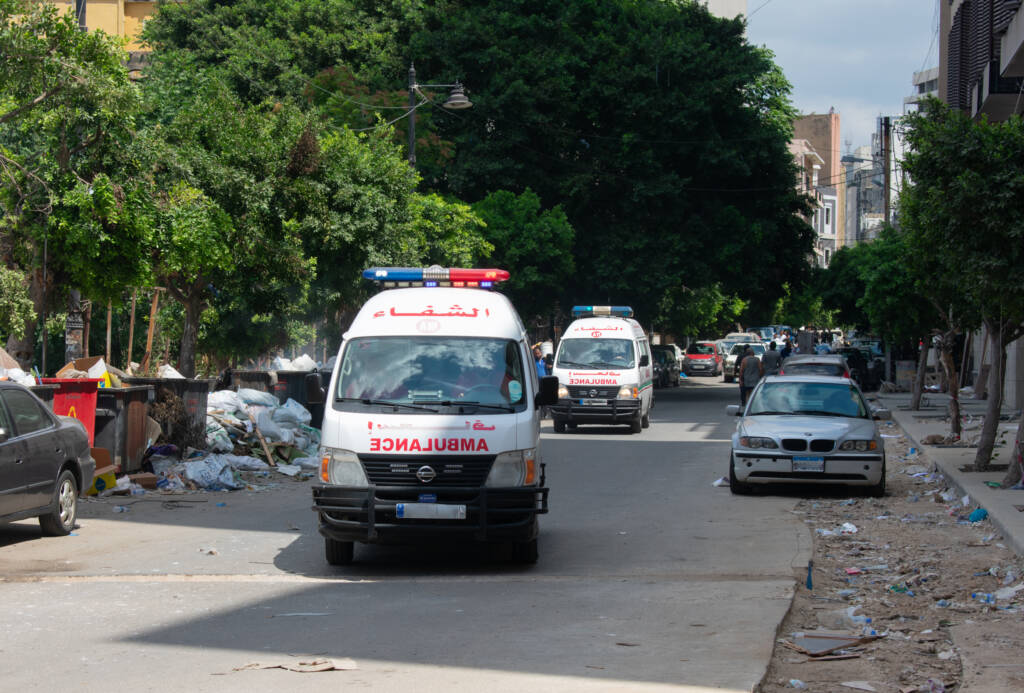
(548, 393)
(644, 360)
(314, 389)
(733, 410)
(882, 414)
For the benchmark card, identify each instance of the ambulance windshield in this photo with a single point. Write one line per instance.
(452, 371)
(595, 353)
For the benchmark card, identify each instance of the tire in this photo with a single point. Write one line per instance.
(64, 507)
(645, 420)
(637, 424)
(738, 488)
(339, 552)
(572, 426)
(878, 490)
(525, 552)
(559, 425)
(727, 378)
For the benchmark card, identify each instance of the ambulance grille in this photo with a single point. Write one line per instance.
(583, 392)
(449, 470)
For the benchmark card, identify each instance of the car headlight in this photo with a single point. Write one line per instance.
(858, 445)
(629, 392)
(756, 442)
(342, 468)
(514, 468)
(563, 392)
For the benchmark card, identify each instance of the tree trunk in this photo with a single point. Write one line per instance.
(1016, 469)
(995, 400)
(23, 350)
(922, 368)
(193, 305)
(949, 366)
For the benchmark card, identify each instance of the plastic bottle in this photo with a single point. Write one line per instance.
(120, 508)
(983, 597)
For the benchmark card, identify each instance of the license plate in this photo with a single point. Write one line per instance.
(593, 402)
(430, 511)
(808, 464)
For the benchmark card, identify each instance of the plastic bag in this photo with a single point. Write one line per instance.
(164, 371)
(217, 439)
(280, 363)
(302, 414)
(242, 462)
(212, 473)
(224, 400)
(264, 399)
(271, 430)
(303, 363)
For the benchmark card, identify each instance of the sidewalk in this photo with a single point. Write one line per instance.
(1005, 506)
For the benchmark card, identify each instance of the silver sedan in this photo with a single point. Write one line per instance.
(807, 429)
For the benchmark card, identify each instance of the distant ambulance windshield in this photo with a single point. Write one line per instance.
(595, 353)
(432, 369)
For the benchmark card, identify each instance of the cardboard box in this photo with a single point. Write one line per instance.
(103, 479)
(144, 479)
(93, 365)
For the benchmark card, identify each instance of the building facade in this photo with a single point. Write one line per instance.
(123, 18)
(925, 83)
(822, 131)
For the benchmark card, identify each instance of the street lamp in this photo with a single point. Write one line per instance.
(456, 102)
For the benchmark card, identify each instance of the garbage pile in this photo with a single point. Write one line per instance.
(252, 422)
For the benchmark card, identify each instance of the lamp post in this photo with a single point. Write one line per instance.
(456, 101)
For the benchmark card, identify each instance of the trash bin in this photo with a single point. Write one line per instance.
(193, 394)
(121, 424)
(45, 393)
(292, 384)
(264, 381)
(76, 397)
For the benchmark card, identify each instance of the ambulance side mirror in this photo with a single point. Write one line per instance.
(548, 394)
(314, 390)
(644, 360)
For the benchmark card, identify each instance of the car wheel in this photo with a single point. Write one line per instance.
(738, 488)
(559, 425)
(878, 490)
(339, 552)
(64, 507)
(645, 420)
(636, 424)
(727, 378)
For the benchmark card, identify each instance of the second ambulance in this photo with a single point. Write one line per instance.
(604, 370)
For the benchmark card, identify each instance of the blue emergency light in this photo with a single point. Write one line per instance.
(436, 276)
(595, 311)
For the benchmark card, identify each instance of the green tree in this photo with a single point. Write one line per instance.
(963, 214)
(533, 244)
(705, 311)
(16, 307)
(656, 127)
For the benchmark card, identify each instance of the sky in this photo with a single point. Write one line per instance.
(858, 56)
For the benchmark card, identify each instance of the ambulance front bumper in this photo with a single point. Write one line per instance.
(610, 411)
(386, 514)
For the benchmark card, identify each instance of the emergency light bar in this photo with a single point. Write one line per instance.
(434, 276)
(593, 311)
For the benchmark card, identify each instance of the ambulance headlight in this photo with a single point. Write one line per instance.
(514, 468)
(629, 392)
(342, 468)
(563, 392)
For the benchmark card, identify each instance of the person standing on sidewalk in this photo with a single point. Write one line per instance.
(751, 372)
(771, 360)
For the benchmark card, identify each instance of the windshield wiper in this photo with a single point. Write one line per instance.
(770, 413)
(385, 402)
(605, 364)
(471, 403)
(573, 364)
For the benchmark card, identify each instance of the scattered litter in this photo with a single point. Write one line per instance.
(978, 515)
(209, 551)
(720, 482)
(848, 528)
(858, 685)
(304, 665)
(120, 508)
(818, 643)
(947, 655)
(797, 683)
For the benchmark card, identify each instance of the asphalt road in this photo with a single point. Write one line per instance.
(649, 578)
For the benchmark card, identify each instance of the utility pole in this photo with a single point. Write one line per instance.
(886, 156)
(412, 115)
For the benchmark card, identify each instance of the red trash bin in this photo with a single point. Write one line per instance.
(76, 397)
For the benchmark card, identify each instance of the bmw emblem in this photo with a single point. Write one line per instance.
(426, 474)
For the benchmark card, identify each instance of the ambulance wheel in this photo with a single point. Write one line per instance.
(637, 424)
(572, 426)
(645, 420)
(525, 552)
(338, 552)
(559, 425)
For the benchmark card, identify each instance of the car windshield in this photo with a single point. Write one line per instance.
(662, 356)
(700, 349)
(443, 370)
(595, 353)
(740, 349)
(811, 398)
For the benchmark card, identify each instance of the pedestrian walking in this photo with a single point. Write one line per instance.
(751, 372)
(771, 360)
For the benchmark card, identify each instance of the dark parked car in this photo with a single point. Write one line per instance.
(666, 367)
(865, 369)
(45, 462)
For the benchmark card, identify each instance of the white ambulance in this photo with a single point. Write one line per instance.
(432, 418)
(604, 370)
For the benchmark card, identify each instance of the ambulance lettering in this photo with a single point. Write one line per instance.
(592, 378)
(428, 445)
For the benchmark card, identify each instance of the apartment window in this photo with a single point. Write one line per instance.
(828, 216)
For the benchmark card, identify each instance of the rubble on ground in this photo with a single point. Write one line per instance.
(921, 573)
